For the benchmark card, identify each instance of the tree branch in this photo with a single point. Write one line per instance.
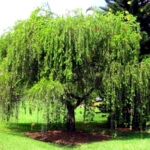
(80, 99)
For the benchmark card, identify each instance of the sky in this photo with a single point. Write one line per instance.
(13, 10)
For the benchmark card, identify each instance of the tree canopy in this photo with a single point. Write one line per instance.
(140, 9)
(51, 60)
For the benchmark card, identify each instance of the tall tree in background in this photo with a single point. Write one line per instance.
(140, 9)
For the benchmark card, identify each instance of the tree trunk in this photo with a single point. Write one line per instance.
(71, 115)
(70, 125)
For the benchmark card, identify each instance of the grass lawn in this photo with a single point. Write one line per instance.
(12, 137)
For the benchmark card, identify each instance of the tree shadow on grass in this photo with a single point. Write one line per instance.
(35, 127)
(32, 127)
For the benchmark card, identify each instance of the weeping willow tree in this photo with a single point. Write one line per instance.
(57, 62)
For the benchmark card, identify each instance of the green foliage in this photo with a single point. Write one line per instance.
(63, 59)
(45, 97)
(127, 93)
(45, 90)
(141, 10)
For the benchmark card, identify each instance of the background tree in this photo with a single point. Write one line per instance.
(140, 9)
(57, 62)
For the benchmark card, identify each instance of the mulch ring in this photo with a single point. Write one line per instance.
(127, 130)
(69, 138)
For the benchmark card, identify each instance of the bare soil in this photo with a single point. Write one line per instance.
(69, 138)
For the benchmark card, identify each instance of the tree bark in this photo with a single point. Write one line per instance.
(70, 125)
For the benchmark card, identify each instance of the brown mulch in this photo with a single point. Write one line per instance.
(124, 129)
(69, 138)
(128, 130)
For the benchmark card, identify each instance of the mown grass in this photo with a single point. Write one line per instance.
(12, 135)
